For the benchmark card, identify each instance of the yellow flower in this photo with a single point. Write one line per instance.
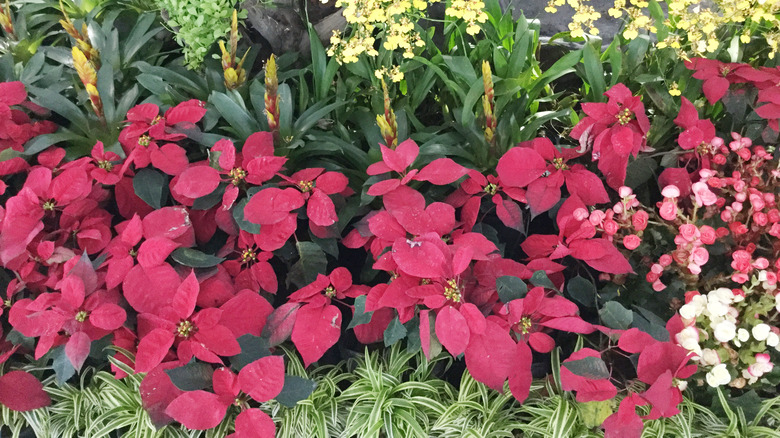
(674, 89)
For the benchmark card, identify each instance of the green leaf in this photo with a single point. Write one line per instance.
(593, 413)
(592, 368)
(582, 290)
(191, 377)
(312, 261)
(252, 348)
(394, 332)
(539, 278)
(105, 87)
(615, 316)
(295, 389)
(210, 200)
(360, 316)
(195, 259)
(62, 367)
(640, 171)
(151, 186)
(60, 105)
(238, 216)
(510, 288)
(41, 142)
(238, 118)
(594, 72)
(17, 338)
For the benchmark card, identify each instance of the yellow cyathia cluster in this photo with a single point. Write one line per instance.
(470, 11)
(585, 16)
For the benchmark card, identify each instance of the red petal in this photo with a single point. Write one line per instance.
(383, 187)
(141, 296)
(321, 210)
(12, 93)
(715, 88)
(419, 258)
(441, 171)
(189, 111)
(227, 156)
(519, 166)
(143, 113)
(259, 144)
(587, 186)
(152, 349)
(73, 291)
(20, 391)
(624, 423)
(198, 410)
(254, 423)
(508, 212)
(452, 330)
(170, 158)
(186, 296)
(108, 316)
(246, 313)
(263, 379)
(573, 324)
(332, 182)
(520, 375)
(316, 330)
(197, 181)
(77, 349)
(157, 392)
(154, 251)
(491, 356)
(425, 333)
(272, 205)
(219, 340)
(634, 340)
(225, 383)
(541, 342)
(171, 222)
(280, 323)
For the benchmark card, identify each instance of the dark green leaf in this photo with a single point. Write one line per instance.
(252, 348)
(17, 338)
(238, 118)
(592, 368)
(510, 288)
(539, 278)
(594, 72)
(312, 261)
(615, 316)
(394, 332)
(191, 377)
(640, 171)
(151, 186)
(360, 316)
(194, 258)
(238, 216)
(210, 200)
(413, 341)
(61, 365)
(295, 389)
(582, 290)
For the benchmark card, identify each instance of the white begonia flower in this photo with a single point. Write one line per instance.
(725, 331)
(718, 376)
(772, 339)
(762, 365)
(723, 294)
(688, 338)
(717, 308)
(762, 275)
(689, 311)
(709, 357)
(777, 302)
(761, 331)
(743, 335)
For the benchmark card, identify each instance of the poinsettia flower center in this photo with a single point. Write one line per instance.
(452, 291)
(248, 255)
(559, 164)
(144, 140)
(425, 281)
(7, 303)
(186, 328)
(490, 189)
(81, 316)
(156, 120)
(624, 116)
(305, 186)
(105, 165)
(237, 175)
(48, 205)
(330, 291)
(133, 252)
(704, 148)
(725, 70)
(525, 325)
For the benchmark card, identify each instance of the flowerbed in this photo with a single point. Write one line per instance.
(197, 239)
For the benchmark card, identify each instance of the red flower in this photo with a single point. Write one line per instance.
(469, 194)
(16, 128)
(441, 171)
(198, 334)
(261, 380)
(272, 208)
(715, 74)
(315, 187)
(542, 168)
(616, 129)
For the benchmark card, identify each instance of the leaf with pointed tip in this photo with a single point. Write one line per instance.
(195, 259)
(295, 389)
(151, 186)
(191, 377)
(510, 288)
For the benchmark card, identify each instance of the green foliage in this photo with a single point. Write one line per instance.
(198, 25)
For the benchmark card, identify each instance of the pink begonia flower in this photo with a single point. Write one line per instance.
(631, 242)
(703, 194)
(762, 366)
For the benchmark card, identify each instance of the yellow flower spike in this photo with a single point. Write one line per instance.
(6, 21)
(271, 96)
(387, 123)
(84, 68)
(489, 105)
(234, 74)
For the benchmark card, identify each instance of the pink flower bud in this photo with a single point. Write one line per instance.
(657, 269)
(761, 263)
(708, 235)
(631, 242)
(700, 255)
(665, 260)
(668, 210)
(625, 191)
(689, 232)
(639, 220)
(611, 227)
(580, 214)
(658, 286)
